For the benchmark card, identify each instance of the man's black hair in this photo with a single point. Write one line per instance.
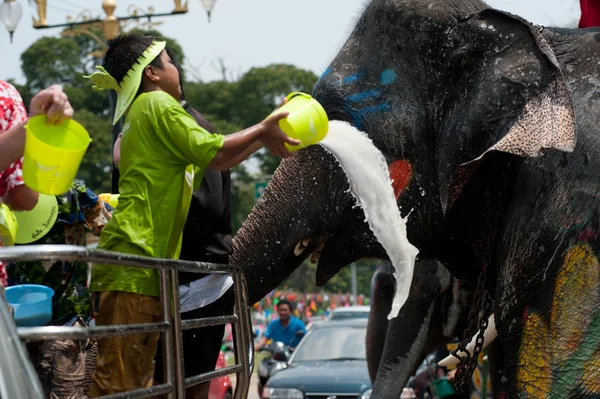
(285, 302)
(123, 51)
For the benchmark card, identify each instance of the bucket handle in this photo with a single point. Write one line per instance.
(297, 94)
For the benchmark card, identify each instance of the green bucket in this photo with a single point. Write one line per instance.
(443, 388)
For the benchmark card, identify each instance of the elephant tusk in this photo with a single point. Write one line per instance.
(301, 246)
(489, 336)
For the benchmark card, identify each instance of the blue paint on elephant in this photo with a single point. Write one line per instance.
(385, 107)
(364, 95)
(388, 76)
(355, 116)
(327, 72)
(354, 78)
(358, 115)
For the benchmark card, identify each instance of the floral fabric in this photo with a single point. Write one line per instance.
(12, 112)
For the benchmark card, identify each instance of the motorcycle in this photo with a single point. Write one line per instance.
(280, 354)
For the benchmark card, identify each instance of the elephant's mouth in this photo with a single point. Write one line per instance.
(331, 253)
(314, 245)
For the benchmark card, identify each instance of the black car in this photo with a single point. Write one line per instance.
(329, 363)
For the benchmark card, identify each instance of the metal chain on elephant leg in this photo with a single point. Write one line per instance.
(468, 362)
(482, 307)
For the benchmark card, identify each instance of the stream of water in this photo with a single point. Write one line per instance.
(370, 184)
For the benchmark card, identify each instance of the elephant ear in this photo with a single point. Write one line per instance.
(511, 97)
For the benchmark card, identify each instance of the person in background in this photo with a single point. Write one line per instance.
(590, 13)
(285, 328)
(13, 115)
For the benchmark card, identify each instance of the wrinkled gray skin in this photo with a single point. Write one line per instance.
(434, 314)
(482, 108)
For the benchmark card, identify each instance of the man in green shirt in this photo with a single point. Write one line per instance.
(160, 143)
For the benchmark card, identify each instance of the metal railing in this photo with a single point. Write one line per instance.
(170, 326)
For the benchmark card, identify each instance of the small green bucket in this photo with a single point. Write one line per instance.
(443, 388)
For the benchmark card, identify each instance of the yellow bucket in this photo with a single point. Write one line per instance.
(8, 226)
(307, 120)
(111, 199)
(38, 222)
(53, 154)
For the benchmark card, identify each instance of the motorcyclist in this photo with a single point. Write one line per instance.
(285, 328)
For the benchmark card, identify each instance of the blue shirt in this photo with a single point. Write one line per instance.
(287, 335)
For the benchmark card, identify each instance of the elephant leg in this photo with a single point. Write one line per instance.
(382, 294)
(495, 366)
(418, 329)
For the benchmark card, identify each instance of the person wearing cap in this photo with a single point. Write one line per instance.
(13, 116)
(160, 143)
(206, 238)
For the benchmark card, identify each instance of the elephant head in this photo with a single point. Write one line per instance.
(454, 94)
(453, 90)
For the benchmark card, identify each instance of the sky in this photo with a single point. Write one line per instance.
(248, 33)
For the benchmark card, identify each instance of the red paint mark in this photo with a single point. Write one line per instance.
(502, 395)
(525, 314)
(587, 235)
(400, 173)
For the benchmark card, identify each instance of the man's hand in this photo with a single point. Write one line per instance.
(54, 103)
(274, 138)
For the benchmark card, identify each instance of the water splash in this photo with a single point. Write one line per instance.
(370, 184)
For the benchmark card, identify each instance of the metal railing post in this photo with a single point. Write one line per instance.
(179, 365)
(168, 361)
(242, 350)
(174, 383)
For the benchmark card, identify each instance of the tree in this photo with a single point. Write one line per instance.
(96, 165)
(261, 90)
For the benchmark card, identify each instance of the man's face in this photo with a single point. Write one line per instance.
(169, 76)
(284, 312)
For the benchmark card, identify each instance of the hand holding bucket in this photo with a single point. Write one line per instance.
(53, 154)
(307, 120)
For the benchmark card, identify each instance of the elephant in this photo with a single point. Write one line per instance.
(488, 126)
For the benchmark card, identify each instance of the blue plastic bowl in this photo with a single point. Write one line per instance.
(32, 304)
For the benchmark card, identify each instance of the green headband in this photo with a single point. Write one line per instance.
(130, 85)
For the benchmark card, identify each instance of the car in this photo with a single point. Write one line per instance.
(350, 312)
(313, 323)
(221, 388)
(329, 362)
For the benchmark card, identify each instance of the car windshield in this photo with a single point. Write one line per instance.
(333, 343)
(349, 315)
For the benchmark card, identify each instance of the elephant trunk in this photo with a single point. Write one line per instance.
(275, 238)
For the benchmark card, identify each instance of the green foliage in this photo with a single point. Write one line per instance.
(96, 165)
(51, 60)
(261, 90)
(304, 277)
